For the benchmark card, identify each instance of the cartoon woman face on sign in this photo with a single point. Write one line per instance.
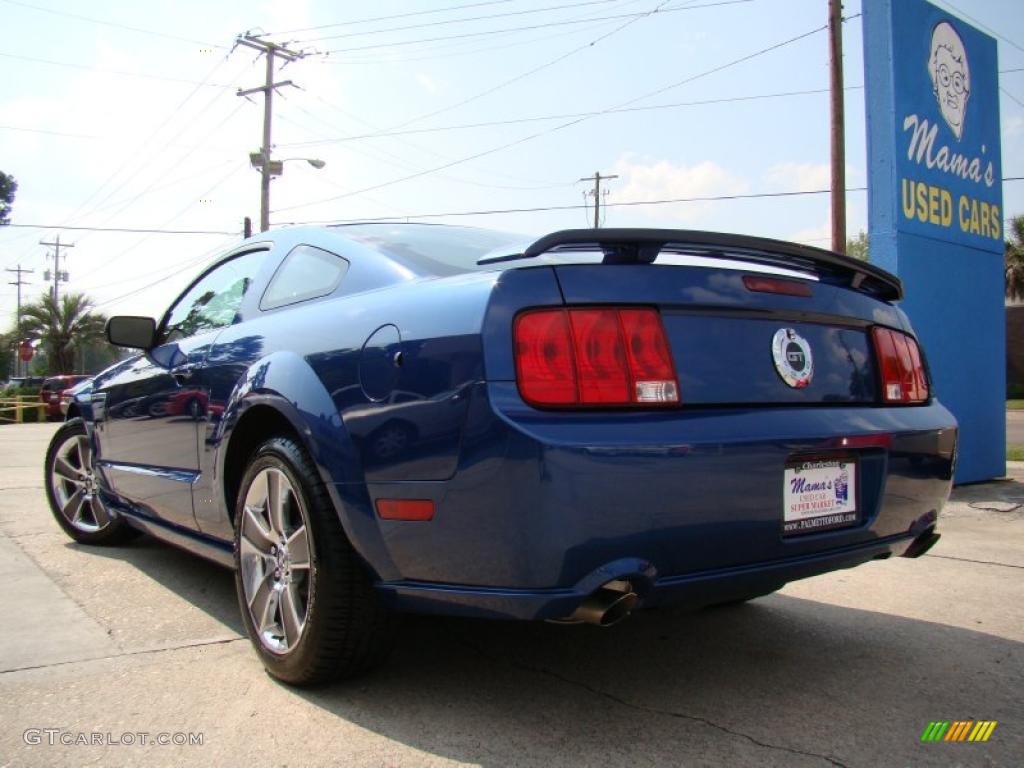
(951, 76)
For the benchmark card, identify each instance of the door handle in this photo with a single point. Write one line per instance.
(183, 373)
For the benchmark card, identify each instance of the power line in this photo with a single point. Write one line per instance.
(104, 70)
(123, 229)
(983, 26)
(130, 159)
(1013, 98)
(560, 126)
(492, 89)
(460, 20)
(538, 209)
(535, 70)
(509, 30)
(110, 260)
(451, 50)
(177, 270)
(565, 116)
(388, 18)
(112, 24)
(578, 207)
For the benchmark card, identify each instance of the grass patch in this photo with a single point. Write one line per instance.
(1015, 405)
(1015, 453)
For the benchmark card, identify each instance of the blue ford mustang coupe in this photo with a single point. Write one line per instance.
(378, 418)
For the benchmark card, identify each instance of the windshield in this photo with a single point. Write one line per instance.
(434, 249)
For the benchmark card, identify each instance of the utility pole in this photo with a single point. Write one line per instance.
(56, 244)
(19, 282)
(262, 160)
(596, 178)
(835, 39)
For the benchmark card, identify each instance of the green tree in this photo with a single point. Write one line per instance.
(857, 247)
(7, 354)
(8, 186)
(1015, 259)
(63, 329)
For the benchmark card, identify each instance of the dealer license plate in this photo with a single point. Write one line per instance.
(819, 495)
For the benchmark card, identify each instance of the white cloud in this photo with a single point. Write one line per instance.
(819, 236)
(805, 177)
(663, 180)
(798, 177)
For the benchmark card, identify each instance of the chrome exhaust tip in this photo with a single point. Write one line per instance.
(608, 605)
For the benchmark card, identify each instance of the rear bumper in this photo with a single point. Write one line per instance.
(686, 505)
(694, 589)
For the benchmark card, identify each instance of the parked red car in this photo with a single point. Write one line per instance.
(52, 390)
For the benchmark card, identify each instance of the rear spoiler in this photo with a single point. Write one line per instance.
(642, 246)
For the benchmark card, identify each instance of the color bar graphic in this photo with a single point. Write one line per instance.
(958, 730)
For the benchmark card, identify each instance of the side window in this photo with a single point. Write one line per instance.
(214, 301)
(306, 273)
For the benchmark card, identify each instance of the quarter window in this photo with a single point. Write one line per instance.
(306, 273)
(215, 300)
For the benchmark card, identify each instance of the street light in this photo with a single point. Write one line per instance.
(273, 168)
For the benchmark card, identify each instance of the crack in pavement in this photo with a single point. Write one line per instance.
(1014, 506)
(980, 562)
(648, 709)
(142, 652)
(23, 488)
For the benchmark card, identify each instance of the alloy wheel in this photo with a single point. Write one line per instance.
(274, 558)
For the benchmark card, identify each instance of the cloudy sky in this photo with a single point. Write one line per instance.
(124, 115)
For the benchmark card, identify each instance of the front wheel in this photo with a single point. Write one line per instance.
(73, 489)
(306, 599)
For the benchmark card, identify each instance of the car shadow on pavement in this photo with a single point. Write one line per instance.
(778, 681)
(206, 585)
(781, 680)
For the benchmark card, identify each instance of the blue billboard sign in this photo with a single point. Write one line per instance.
(935, 205)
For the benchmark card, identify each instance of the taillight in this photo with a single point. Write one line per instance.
(600, 356)
(900, 367)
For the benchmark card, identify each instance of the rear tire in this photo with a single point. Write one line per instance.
(306, 599)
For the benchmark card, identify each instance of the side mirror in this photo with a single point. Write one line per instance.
(130, 331)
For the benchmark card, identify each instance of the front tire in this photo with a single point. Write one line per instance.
(73, 489)
(306, 599)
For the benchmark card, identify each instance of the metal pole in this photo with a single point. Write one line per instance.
(268, 110)
(19, 282)
(596, 178)
(835, 37)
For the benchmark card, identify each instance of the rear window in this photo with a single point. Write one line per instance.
(306, 273)
(433, 249)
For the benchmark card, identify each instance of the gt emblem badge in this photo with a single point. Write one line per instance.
(792, 355)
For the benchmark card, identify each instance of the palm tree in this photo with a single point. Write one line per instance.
(62, 328)
(1015, 259)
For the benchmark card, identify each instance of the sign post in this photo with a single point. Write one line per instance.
(936, 208)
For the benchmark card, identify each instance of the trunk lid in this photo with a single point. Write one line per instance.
(723, 334)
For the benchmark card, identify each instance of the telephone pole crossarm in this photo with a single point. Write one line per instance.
(56, 244)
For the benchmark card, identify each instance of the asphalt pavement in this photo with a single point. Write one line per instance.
(846, 669)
